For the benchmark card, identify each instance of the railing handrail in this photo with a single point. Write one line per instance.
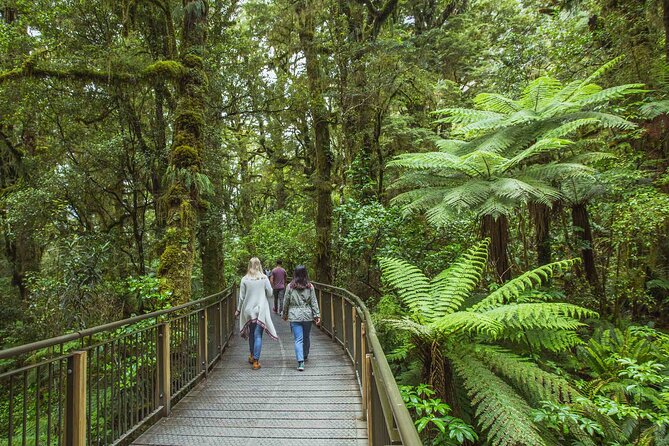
(405, 424)
(45, 343)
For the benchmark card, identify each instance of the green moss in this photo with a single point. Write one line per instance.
(192, 61)
(185, 156)
(169, 259)
(190, 121)
(165, 69)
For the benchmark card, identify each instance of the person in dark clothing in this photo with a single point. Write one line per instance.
(278, 278)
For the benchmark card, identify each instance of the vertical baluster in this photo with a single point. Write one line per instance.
(97, 394)
(10, 437)
(37, 408)
(60, 399)
(89, 389)
(49, 391)
(105, 387)
(25, 408)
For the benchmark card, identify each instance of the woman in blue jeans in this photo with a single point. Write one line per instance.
(300, 307)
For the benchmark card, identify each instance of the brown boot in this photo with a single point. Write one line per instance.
(250, 359)
(256, 364)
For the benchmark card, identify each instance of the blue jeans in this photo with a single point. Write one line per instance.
(301, 332)
(255, 340)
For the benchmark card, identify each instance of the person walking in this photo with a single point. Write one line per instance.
(253, 310)
(278, 278)
(301, 308)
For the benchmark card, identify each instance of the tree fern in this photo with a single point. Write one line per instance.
(504, 141)
(500, 383)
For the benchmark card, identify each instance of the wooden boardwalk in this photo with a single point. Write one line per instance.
(274, 406)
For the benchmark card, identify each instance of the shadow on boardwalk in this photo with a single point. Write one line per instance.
(273, 406)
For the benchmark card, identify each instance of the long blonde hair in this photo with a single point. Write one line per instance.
(255, 270)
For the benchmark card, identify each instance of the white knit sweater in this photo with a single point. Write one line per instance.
(253, 307)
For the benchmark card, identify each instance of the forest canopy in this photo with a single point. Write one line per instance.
(490, 177)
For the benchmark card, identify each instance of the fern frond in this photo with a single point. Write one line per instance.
(499, 409)
(571, 127)
(590, 157)
(466, 322)
(539, 92)
(414, 328)
(465, 115)
(452, 146)
(529, 280)
(496, 103)
(606, 120)
(412, 286)
(515, 189)
(542, 146)
(610, 94)
(524, 374)
(544, 315)
(426, 160)
(542, 339)
(453, 285)
(654, 109)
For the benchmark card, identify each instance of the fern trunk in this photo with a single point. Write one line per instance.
(581, 222)
(498, 231)
(541, 219)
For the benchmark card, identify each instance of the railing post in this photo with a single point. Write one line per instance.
(75, 409)
(222, 331)
(363, 378)
(368, 399)
(332, 318)
(202, 341)
(320, 301)
(343, 322)
(354, 334)
(163, 360)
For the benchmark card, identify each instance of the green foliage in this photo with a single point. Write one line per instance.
(479, 339)
(432, 419)
(277, 235)
(513, 151)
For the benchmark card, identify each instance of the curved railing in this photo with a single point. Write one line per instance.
(103, 385)
(345, 318)
(106, 384)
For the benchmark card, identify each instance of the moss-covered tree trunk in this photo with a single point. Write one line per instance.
(321, 177)
(184, 172)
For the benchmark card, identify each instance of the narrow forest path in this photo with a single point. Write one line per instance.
(276, 405)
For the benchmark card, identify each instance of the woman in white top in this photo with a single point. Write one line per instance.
(253, 309)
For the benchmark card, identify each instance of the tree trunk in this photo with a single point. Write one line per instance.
(211, 254)
(185, 158)
(541, 219)
(582, 230)
(323, 156)
(498, 231)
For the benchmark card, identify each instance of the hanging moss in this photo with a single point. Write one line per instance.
(165, 69)
(185, 156)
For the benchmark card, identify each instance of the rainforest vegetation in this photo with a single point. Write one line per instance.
(490, 177)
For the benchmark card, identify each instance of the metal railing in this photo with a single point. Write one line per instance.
(345, 318)
(104, 385)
